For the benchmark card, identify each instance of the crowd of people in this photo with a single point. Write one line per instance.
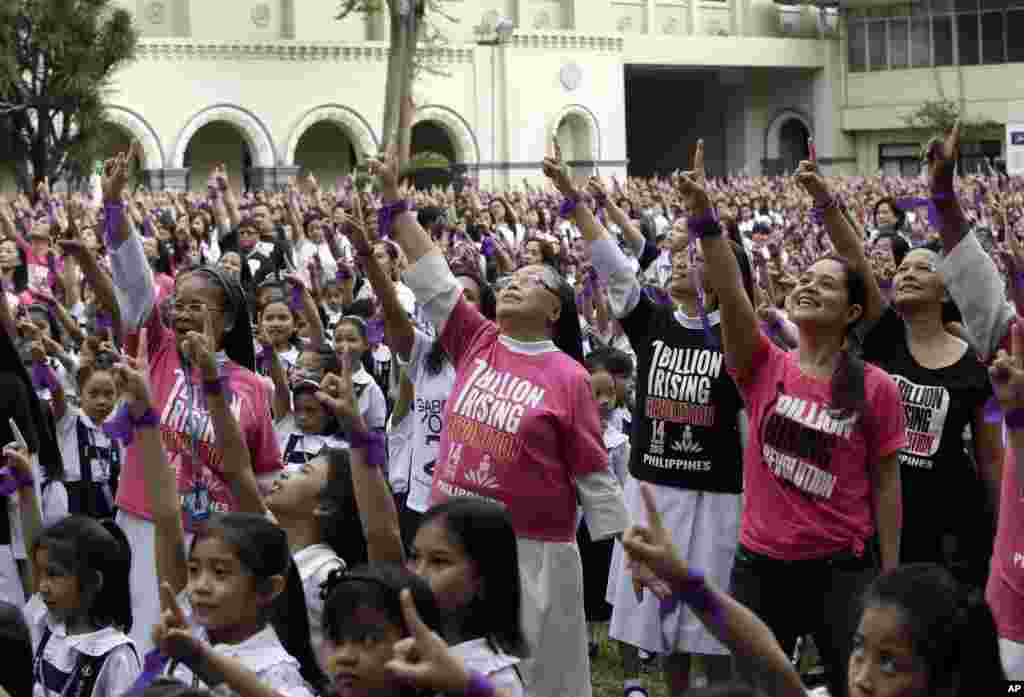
(384, 441)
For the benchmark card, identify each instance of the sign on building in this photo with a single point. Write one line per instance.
(1015, 148)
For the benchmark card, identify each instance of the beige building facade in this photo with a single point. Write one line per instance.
(275, 87)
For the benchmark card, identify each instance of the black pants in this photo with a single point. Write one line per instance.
(408, 520)
(817, 597)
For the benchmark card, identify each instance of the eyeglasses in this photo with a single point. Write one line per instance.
(531, 279)
(192, 308)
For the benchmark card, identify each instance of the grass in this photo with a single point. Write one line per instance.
(606, 669)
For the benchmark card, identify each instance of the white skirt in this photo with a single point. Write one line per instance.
(551, 577)
(705, 528)
(145, 588)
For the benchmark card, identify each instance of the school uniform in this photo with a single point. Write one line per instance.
(262, 653)
(103, 663)
(502, 670)
(298, 448)
(315, 563)
(92, 464)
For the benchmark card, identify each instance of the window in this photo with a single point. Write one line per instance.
(1015, 28)
(858, 57)
(992, 47)
(967, 39)
(876, 46)
(920, 43)
(899, 46)
(942, 36)
(900, 160)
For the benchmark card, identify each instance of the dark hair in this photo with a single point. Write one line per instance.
(610, 360)
(484, 530)
(16, 648)
(262, 548)
(488, 299)
(44, 311)
(340, 525)
(900, 246)
(96, 552)
(238, 339)
(377, 586)
(566, 333)
(950, 626)
(901, 215)
(20, 275)
(848, 396)
(548, 252)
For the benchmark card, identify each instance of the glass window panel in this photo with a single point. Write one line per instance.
(992, 47)
(942, 36)
(1015, 28)
(940, 6)
(993, 4)
(899, 47)
(876, 46)
(966, 5)
(858, 57)
(920, 43)
(967, 39)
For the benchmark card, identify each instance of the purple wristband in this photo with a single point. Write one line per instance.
(386, 217)
(295, 303)
(1015, 419)
(113, 216)
(479, 685)
(568, 206)
(704, 226)
(213, 387)
(695, 593)
(373, 442)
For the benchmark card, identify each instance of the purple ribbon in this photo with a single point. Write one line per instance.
(344, 273)
(375, 444)
(104, 320)
(934, 215)
(375, 331)
(296, 300)
(568, 207)
(148, 226)
(386, 217)
(487, 247)
(113, 216)
(152, 667)
(43, 377)
(120, 427)
(658, 295)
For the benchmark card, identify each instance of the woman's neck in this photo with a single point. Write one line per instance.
(924, 324)
(688, 303)
(236, 633)
(302, 532)
(818, 353)
(79, 624)
(283, 347)
(526, 334)
(7, 274)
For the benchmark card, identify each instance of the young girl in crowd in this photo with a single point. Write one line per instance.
(277, 322)
(525, 432)
(351, 338)
(202, 442)
(92, 459)
(237, 586)
(305, 427)
(820, 468)
(918, 633)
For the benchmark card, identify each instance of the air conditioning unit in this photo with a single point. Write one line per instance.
(1015, 148)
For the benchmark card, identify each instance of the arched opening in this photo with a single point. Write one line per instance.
(215, 143)
(577, 144)
(326, 150)
(793, 147)
(432, 154)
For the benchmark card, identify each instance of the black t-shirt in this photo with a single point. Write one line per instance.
(941, 490)
(685, 431)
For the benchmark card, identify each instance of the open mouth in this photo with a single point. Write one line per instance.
(807, 302)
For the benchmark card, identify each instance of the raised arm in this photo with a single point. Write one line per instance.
(200, 350)
(398, 328)
(741, 335)
(846, 238)
(405, 229)
(161, 487)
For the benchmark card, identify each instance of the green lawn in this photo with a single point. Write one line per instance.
(606, 670)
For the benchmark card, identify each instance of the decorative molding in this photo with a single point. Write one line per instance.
(138, 128)
(260, 15)
(156, 12)
(369, 51)
(351, 122)
(570, 76)
(671, 26)
(542, 20)
(567, 41)
(505, 166)
(467, 150)
(624, 24)
(254, 132)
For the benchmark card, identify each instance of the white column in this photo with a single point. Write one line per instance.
(651, 29)
(695, 18)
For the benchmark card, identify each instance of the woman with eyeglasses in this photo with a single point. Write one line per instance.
(214, 412)
(522, 429)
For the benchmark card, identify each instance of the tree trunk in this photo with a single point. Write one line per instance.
(393, 87)
(407, 108)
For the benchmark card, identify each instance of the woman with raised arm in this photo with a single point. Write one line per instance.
(944, 388)
(207, 413)
(685, 441)
(521, 428)
(822, 506)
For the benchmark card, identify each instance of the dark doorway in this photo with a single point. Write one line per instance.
(793, 147)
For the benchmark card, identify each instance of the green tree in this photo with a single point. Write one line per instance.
(57, 58)
(938, 116)
(414, 40)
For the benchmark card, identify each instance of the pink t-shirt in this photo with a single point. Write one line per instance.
(519, 429)
(807, 474)
(1005, 590)
(250, 403)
